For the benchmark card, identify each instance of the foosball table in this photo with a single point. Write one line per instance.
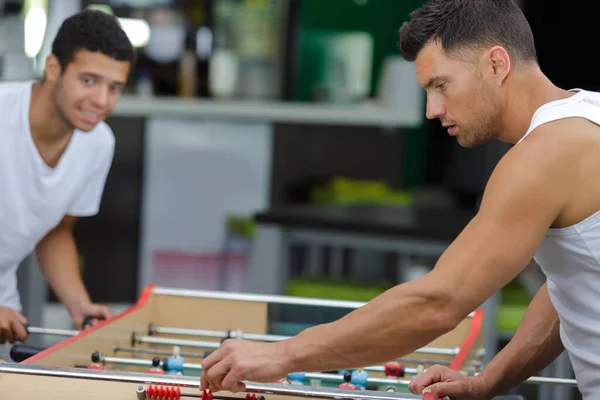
(153, 350)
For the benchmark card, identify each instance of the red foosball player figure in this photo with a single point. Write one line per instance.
(156, 369)
(95, 361)
(347, 385)
(394, 369)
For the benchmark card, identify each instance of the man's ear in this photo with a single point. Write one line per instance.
(500, 62)
(53, 68)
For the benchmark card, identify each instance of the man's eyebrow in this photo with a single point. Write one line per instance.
(432, 81)
(98, 76)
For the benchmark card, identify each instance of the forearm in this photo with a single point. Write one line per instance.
(533, 347)
(393, 324)
(57, 255)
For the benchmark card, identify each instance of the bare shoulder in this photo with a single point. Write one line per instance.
(551, 152)
(539, 174)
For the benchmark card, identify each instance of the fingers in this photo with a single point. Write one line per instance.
(454, 390)
(215, 376)
(208, 362)
(211, 370)
(233, 380)
(12, 326)
(433, 375)
(22, 318)
(203, 382)
(19, 329)
(105, 312)
(90, 315)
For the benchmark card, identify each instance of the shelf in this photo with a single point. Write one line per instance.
(366, 115)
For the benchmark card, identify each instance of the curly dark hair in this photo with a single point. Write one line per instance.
(460, 25)
(95, 31)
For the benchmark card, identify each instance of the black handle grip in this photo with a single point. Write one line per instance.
(20, 351)
(87, 322)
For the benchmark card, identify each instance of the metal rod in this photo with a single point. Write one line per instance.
(51, 331)
(538, 380)
(542, 380)
(142, 362)
(213, 345)
(375, 368)
(215, 334)
(176, 342)
(380, 368)
(414, 360)
(271, 299)
(308, 375)
(117, 349)
(141, 393)
(192, 382)
(340, 378)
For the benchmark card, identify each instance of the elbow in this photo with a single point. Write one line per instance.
(445, 313)
(447, 303)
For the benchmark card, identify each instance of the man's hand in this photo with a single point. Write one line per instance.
(12, 325)
(239, 360)
(96, 311)
(443, 381)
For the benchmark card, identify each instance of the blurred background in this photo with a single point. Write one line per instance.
(278, 146)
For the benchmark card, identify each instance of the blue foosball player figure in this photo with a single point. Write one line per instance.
(174, 363)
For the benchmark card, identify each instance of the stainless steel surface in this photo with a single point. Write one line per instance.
(542, 380)
(213, 345)
(438, 351)
(273, 299)
(137, 361)
(118, 349)
(214, 334)
(192, 382)
(340, 378)
(381, 368)
(330, 377)
(51, 331)
(176, 342)
(141, 392)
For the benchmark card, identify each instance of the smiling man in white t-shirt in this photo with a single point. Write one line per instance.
(55, 154)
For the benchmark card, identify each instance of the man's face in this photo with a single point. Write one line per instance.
(459, 95)
(88, 89)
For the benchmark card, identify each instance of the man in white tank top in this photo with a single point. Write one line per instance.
(55, 154)
(477, 62)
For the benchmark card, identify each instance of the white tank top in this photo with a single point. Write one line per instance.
(570, 259)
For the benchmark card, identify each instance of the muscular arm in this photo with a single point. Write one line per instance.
(533, 347)
(57, 255)
(520, 204)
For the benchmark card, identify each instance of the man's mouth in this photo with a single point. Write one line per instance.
(90, 116)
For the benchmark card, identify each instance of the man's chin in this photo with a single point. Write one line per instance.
(469, 143)
(85, 127)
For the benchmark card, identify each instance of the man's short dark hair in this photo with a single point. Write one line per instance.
(94, 31)
(468, 24)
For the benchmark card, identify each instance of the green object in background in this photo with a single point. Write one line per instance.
(240, 226)
(382, 20)
(341, 190)
(333, 290)
(514, 300)
(510, 316)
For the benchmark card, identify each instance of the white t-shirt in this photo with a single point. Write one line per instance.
(34, 197)
(570, 258)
